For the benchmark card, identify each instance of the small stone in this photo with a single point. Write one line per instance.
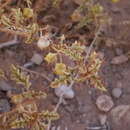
(119, 51)
(37, 59)
(119, 60)
(4, 105)
(67, 91)
(116, 92)
(119, 84)
(43, 42)
(110, 42)
(102, 119)
(104, 103)
(5, 86)
(120, 116)
(115, 9)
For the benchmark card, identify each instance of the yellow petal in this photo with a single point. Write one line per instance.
(114, 1)
(51, 57)
(60, 69)
(28, 13)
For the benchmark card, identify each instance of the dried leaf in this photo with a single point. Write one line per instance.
(20, 77)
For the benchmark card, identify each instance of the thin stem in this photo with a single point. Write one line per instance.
(5, 4)
(72, 83)
(88, 52)
(56, 108)
(93, 42)
(9, 43)
(34, 72)
(59, 102)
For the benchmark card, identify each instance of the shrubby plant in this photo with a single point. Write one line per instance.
(20, 18)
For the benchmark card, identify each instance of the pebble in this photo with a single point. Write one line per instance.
(110, 43)
(4, 86)
(67, 91)
(102, 119)
(4, 105)
(115, 9)
(37, 59)
(118, 51)
(104, 103)
(120, 117)
(119, 60)
(116, 92)
(119, 84)
(43, 42)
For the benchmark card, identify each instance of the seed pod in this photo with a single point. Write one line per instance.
(43, 42)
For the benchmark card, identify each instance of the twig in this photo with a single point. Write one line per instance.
(9, 43)
(93, 42)
(94, 128)
(89, 51)
(72, 83)
(103, 127)
(59, 102)
(34, 72)
(55, 109)
(5, 4)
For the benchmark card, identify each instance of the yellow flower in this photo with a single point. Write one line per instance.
(60, 69)
(28, 13)
(51, 57)
(114, 1)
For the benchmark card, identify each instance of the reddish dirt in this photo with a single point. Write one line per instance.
(81, 111)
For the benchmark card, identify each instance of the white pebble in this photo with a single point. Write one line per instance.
(43, 42)
(64, 89)
(116, 92)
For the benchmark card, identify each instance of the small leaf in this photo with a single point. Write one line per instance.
(50, 115)
(114, 1)
(19, 98)
(60, 69)
(2, 74)
(20, 77)
(51, 57)
(28, 13)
